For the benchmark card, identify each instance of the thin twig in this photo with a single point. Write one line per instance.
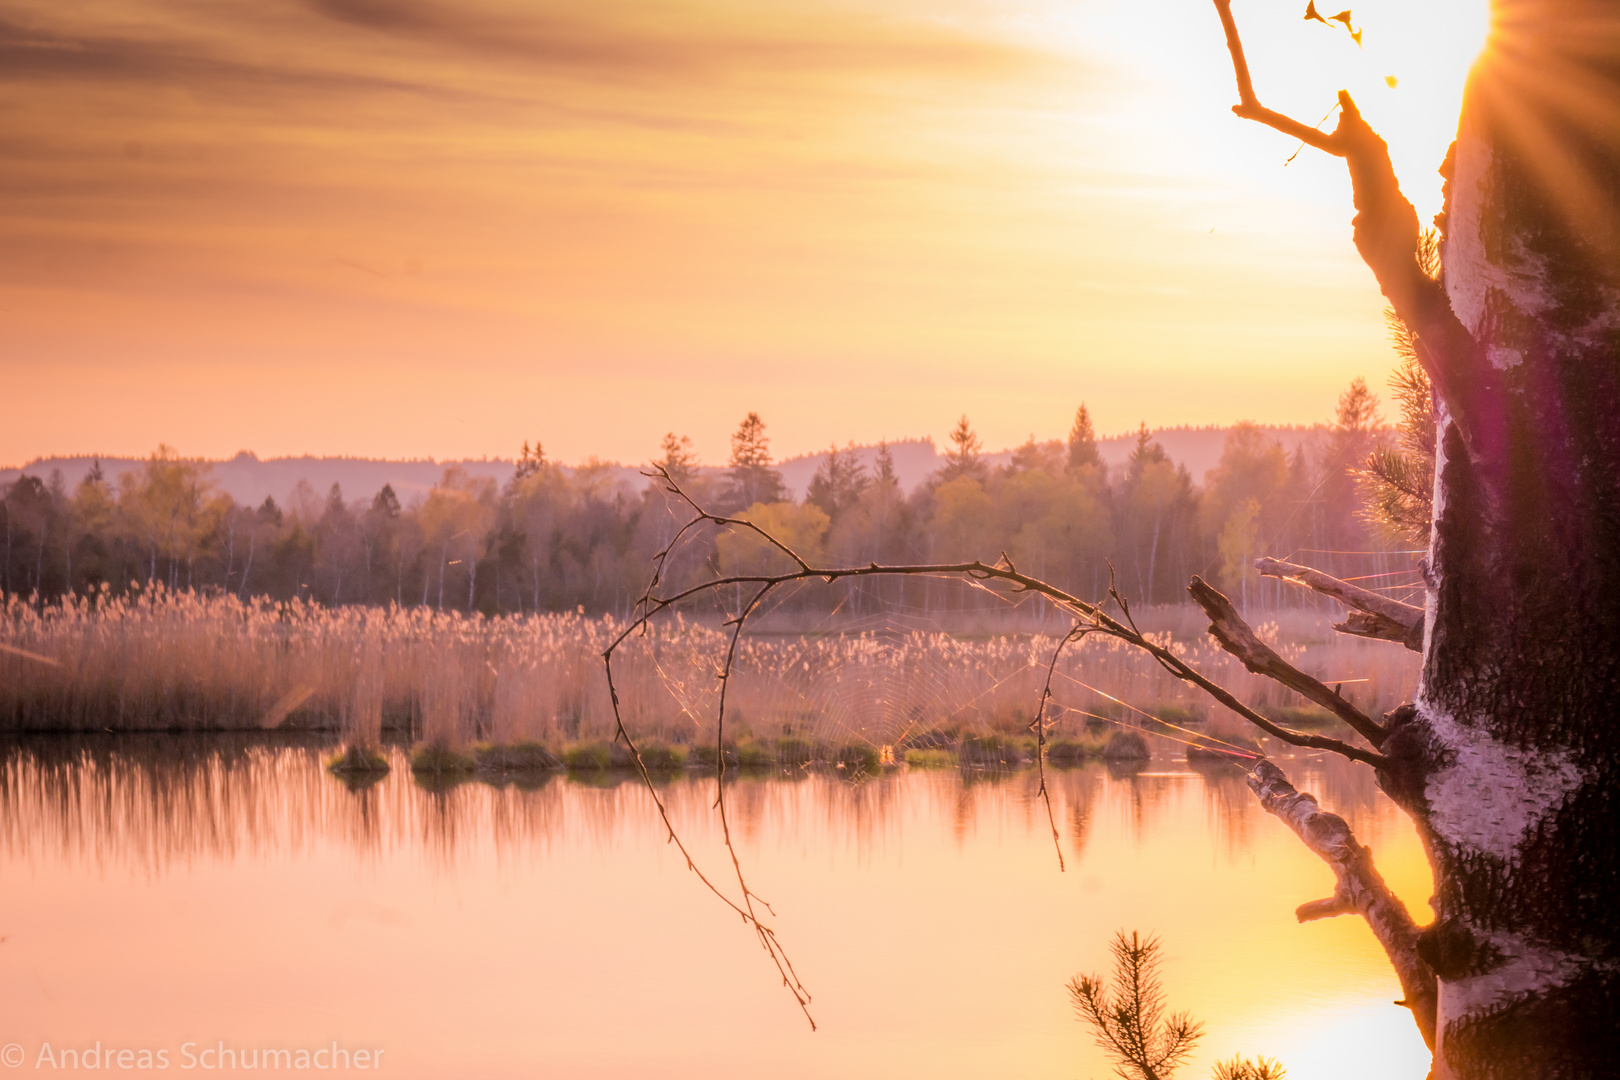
(765, 934)
(1039, 727)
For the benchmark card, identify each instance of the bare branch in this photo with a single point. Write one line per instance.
(766, 935)
(1090, 618)
(1249, 106)
(1374, 615)
(1091, 615)
(1360, 887)
(1038, 725)
(645, 607)
(1387, 236)
(1227, 627)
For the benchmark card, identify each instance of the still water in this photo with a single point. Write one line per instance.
(177, 894)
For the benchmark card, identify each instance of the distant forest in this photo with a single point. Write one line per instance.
(555, 539)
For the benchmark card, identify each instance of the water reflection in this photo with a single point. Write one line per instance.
(548, 914)
(150, 800)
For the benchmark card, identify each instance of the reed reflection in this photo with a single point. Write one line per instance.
(152, 801)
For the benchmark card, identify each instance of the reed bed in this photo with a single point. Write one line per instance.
(165, 660)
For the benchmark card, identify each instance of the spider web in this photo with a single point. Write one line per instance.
(872, 679)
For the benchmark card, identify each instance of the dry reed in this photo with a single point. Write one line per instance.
(182, 661)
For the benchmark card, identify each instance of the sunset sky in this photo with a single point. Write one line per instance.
(413, 228)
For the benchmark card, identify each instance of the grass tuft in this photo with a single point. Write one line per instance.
(1218, 747)
(660, 757)
(357, 760)
(1126, 746)
(1181, 715)
(519, 757)
(441, 760)
(1307, 717)
(991, 751)
(856, 757)
(705, 756)
(792, 751)
(588, 757)
(1074, 751)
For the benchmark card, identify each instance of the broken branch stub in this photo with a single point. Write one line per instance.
(1372, 615)
(1360, 887)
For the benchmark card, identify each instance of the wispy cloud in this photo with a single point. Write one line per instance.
(472, 188)
(211, 130)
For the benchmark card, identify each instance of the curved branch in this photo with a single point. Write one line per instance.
(1360, 887)
(1249, 106)
(1089, 618)
(1092, 615)
(766, 935)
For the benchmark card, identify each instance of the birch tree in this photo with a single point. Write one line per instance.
(1506, 760)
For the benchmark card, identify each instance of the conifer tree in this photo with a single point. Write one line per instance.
(752, 478)
(529, 462)
(1128, 1016)
(1083, 441)
(838, 482)
(964, 456)
(679, 460)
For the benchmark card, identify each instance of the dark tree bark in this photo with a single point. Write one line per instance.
(1507, 760)
(1512, 735)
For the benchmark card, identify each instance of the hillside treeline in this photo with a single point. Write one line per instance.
(556, 539)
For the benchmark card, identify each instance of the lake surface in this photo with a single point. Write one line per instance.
(185, 892)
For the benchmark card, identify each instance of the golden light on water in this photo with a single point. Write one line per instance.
(493, 931)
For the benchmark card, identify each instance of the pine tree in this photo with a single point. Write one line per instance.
(1242, 1068)
(884, 466)
(1128, 1017)
(529, 462)
(838, 482)
(1146, 452)
(1083, 441)
(1397, 481)
(963, 458)
(679, 461)
(752, 478)
(1353, 438)
(385, 502)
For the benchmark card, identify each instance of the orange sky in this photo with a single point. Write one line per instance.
(424, 228)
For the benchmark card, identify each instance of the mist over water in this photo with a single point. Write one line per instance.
(165, 890)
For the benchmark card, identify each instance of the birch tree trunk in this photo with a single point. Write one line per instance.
(1510, 760)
